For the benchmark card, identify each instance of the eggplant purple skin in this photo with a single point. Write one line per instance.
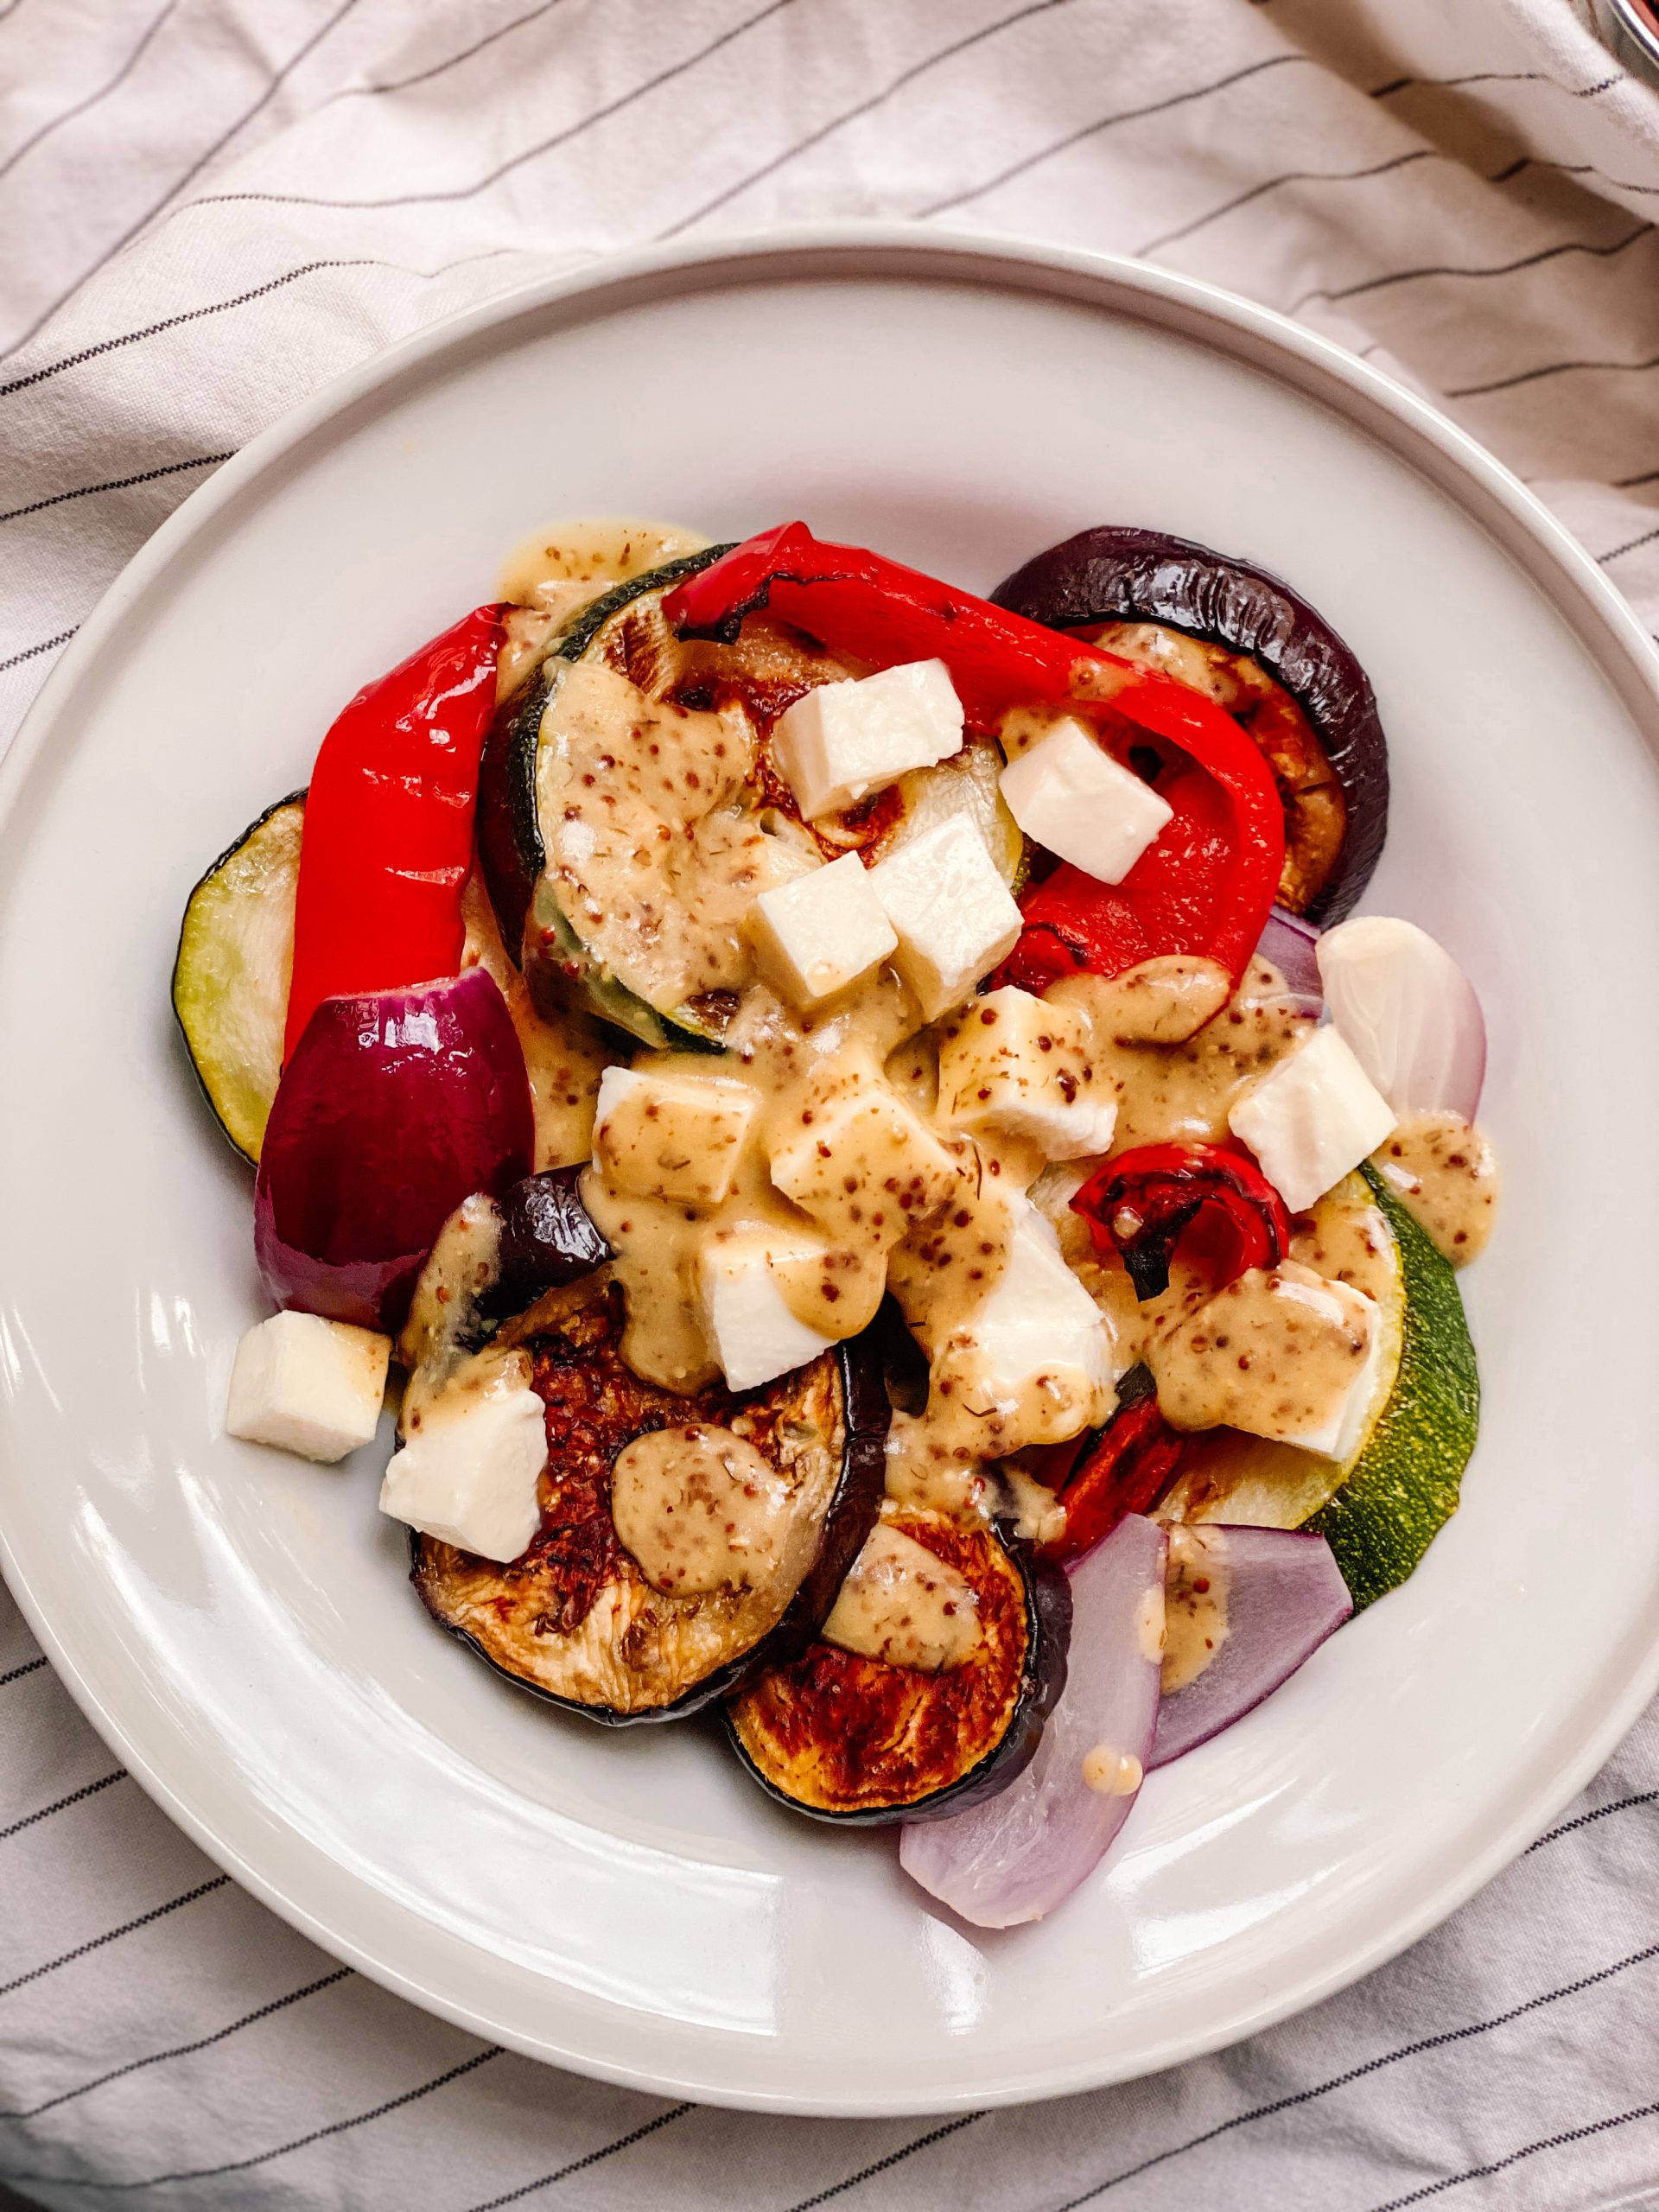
(848, 1521)
(1042, 1680)
(547, 1239)
(1049, 1603)
(1114, 574)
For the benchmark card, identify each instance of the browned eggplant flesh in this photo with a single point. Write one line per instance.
(844, 1736)
(577, 1618)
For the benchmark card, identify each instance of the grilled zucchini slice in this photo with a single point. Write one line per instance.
(859, 1741)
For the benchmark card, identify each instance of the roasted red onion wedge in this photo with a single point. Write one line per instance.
(1409, 1012)
(1293, 946)
(1244, 1607)
(1017, 1857)
(1265, 655)
(391, 1110)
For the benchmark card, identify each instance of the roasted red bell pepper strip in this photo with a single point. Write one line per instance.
(1206, 885)
(1127, 1469)
(1141, 1204)
(388, 836)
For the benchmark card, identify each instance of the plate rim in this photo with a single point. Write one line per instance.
(1419, 435)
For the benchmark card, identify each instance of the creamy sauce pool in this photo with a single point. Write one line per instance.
(1444, 1172)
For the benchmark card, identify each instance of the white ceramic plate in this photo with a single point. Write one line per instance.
(238, 1626)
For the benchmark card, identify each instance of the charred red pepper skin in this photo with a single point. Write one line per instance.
(1141, 1203)
(388, 836)
(1206, 885)
(1127, 1469)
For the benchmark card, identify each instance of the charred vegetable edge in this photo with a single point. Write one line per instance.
(848, 1519)
(509, 846)
(1115, 573)
(1042, 1680)
(192, 1023)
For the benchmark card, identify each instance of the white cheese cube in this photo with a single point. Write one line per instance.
(954, 915)
(1068, 794)
(843, 741)
(468, 1474)
(821, 933)
(865, 1165)
(1033, 1363)
(755, 1335)
(1012, 1062)
(661, 1133)
(308, 1385)
(1285, 1353)
(1312, 1119)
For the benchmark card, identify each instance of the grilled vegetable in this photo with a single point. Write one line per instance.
(1125, 1469)
(847, 1738)
(1247, 1480)
(589, 930)
(623, 630)
(389, 825)
(1205, 886)
(575, 1618)
(229, 980)
(1262, 651)
(1244, 1608)
(548, 1236)
(615, 628)
(1381, 1510)
(393, 1108)
(1016, 1859)
(1141, 1204)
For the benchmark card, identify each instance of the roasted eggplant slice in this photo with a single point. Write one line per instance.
(622, 631)
(229, 980)
(575, 1618)
(847, 1738)
(1266, 655)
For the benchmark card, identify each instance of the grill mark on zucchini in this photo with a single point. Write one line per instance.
(509, 828)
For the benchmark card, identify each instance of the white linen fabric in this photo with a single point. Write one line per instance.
(209, 206)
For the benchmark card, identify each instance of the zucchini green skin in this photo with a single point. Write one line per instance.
(218, 1059)
(510, 848)
(1406, 1486)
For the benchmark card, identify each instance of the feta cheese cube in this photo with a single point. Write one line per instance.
(953, 914)
(659, 1132)
(308, 1385)
(865, 1166)
(755, 1335)
(468, 1474)
(845, 739)
(1284, 1353)
(1312, 1118)
(821, 932)
(1039, 1321)
(1069, 794)
(1009, 1061)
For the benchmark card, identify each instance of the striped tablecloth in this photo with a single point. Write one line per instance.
(208, 206)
